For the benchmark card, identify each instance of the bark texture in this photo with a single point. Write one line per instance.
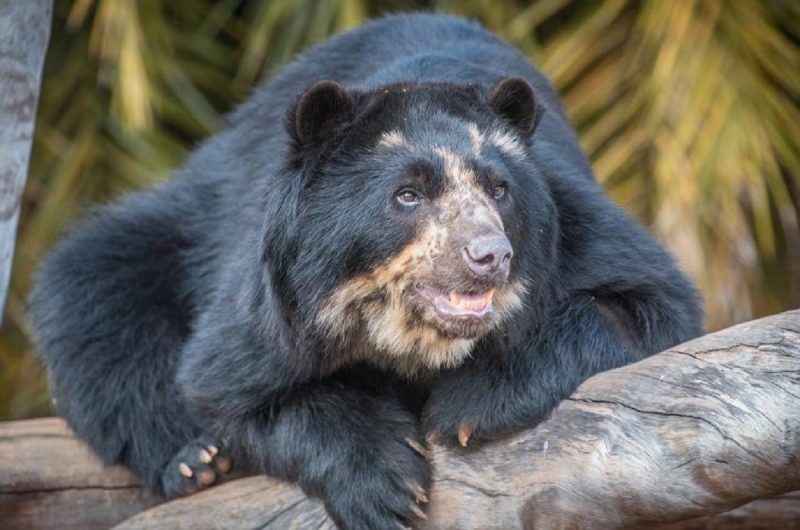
(49, 479)
(697, 430)
(24, 34)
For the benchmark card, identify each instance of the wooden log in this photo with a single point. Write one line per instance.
(769, 513)
(49, 480)
(24, 34)
(697, 430)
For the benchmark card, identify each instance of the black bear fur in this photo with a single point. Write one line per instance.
(199, 313)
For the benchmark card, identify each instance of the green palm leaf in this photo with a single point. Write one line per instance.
(687, 109)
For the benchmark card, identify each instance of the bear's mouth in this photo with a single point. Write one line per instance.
(454, 304)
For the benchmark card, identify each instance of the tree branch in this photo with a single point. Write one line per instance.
(696, 430)
(24, 33)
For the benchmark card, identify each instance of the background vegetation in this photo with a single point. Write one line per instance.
(688, 110)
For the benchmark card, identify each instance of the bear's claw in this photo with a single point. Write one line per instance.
(196, 466)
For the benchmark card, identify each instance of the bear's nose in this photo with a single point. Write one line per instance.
(488, 256)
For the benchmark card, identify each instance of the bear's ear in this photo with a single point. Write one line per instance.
(321, 109)
(513, 100)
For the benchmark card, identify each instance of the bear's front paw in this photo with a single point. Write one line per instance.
(385, 491)
(466, 412)
(196, 466)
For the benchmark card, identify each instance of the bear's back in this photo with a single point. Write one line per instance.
(421, 48)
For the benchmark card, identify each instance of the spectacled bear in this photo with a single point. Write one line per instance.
(396, 236)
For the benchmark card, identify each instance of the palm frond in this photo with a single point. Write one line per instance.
(688, 111)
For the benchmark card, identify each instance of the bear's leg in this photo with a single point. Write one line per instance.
(111, 317)
(351, 438)
(502, 391)
(358, 449)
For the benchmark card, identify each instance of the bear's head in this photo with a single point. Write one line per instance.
(420, 221)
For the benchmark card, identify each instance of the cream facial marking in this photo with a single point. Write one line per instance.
(393, 139)
(378, 316)
(374, 304)
(463, 193)
(507, 144)
(459, 176)
(476, 138)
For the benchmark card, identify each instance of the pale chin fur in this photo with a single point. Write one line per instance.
(392, 344)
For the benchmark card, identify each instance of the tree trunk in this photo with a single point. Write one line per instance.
(49, 479)
(696, 430)
(24, 33)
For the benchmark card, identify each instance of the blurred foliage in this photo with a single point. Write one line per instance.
(688, 110)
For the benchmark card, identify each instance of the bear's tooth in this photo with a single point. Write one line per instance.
(454, 298)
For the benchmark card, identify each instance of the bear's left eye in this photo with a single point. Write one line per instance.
(498, 191)
(407, 197)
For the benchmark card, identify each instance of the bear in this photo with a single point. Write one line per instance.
(395, 241)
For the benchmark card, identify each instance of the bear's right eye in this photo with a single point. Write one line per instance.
(407, 197)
